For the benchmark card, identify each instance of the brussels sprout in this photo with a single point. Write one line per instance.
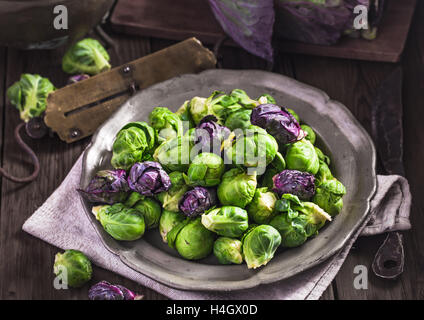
(150, 210)
(167, 124)
(29, 95)
(237, 188)
(209, 135)
(239, 119)
(266, 178)
(253, 149)
(310, 134)
(228, 250)
(294, 114)
(301, 184)
(133, 198)
(133, 143)
(174, 154)
(301, 156)
(197, 201)
(169, 220)
(243, 99)
(121, 222)
(171, 198)
(227, 221)
(74, 267)
(278, 163)
(323, 173)
(106, 291)
(198, 109)
(292, 233)
(329, 196)
(259, 245)
(107, 186)
(192, 240)
(148, 178)
(266, 98)
(205, 170)
(312, 218)
(322, 156)
(261, 209)
(86, 56)
(278, 122)
(184, 113)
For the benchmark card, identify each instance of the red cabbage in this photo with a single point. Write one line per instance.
(301, 184)
(197, 201)
(148, 178)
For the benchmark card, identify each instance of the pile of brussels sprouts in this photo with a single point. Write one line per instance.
(225, 174)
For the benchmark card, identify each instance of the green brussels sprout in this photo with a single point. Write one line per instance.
(133, 143)
(237, 188)
(191, 239)
(29, 95)
(151, 211)
(259, 245)
(74, 267)
(266, 178)
(310, 133)
(266, 98)
(86, 56)
(171, 198)
(243, 99)
(292, 233)
(167, 221)
(167, 124)
(278, 163)
(121, 222)
(184, 113)
(255, 148)
(302, 156)
(205, 170)
(329, 196)
(198, 109)
(323, 173)
(227, 221)
(228, 250)
(174, 154)
(298, 221)
(261, 209)
(133, 198)
(294, 114)
(239, 119)
(322, 156)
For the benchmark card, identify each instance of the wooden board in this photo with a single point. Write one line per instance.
(168, 20)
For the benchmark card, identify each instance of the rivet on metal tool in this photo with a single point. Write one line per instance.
(74, 133)
(126, 69)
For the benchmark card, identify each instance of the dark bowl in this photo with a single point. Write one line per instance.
(29, 24)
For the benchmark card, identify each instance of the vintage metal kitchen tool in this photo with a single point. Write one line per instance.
(388, 136)
(75, 111)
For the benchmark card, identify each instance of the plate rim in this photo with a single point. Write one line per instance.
(179, 282)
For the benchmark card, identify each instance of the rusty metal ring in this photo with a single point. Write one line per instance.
(31, 153)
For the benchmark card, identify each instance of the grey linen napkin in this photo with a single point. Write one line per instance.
(61, 221)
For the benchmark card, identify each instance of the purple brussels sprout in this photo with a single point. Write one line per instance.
(148, 178)
(298, 183)
(108, 186)
(197, 201)
(278, 122)
(209, 134)
(77, 78)
(106, 291)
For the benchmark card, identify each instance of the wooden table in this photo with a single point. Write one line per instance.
(26, 263)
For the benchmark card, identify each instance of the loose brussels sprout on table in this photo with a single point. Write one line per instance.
(228, 250)
(199, 185)
(29, 95)
(86, 56)
(74, 267)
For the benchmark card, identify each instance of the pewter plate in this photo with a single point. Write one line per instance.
(340, 136)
